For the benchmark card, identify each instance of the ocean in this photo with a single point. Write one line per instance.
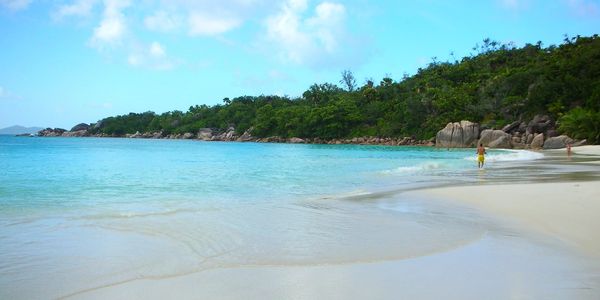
(79, 214)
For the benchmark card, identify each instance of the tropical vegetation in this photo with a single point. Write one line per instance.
(495, 85)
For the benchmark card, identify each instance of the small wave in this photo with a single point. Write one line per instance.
(138, 214)
(351, 194)
(510, 155)
(414, 169)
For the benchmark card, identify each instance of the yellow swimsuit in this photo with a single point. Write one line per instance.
(480, 158)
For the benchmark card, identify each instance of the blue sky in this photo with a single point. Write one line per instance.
(72, 61)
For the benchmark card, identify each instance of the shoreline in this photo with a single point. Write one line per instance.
(568, 209)
(571, 214)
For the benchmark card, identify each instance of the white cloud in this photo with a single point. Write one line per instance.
(152, 57)
(312, 39)
(209, 24)
(113, 26)
(162, 21)
(80, 8)
(15, 5)
(156, 50)
(327, 24)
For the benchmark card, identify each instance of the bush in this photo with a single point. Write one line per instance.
(581, 123)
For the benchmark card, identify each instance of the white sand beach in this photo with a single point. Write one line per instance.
(567, 210)
(536, 241)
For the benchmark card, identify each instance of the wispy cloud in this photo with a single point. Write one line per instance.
(153, 56)
(113, 26)
(163, 21)
(586, 8)
(204, 24)
(79, 8)
(15, 5)
(302, 36)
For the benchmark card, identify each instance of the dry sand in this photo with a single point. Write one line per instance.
(568, 210)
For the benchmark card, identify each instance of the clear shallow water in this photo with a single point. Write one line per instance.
(82, 214)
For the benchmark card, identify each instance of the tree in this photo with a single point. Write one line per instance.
(348, 80)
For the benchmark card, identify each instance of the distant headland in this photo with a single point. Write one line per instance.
(17, 129)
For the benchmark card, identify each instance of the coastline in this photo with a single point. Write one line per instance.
(567, 210)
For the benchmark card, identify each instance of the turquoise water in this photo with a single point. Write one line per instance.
(81, 214)
(45, 173)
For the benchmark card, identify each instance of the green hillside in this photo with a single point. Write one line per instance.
(494, 86)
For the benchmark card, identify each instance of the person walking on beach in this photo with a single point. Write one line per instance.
(480, 156)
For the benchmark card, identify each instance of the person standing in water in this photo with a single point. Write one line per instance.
(480, 156)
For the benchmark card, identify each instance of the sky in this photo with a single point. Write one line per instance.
(73, 61)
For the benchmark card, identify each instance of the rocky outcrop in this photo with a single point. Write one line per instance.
(205, 134)
(557, 142)
(539, 133)
(540, 124)
(495, 139)
(537, 142)
(188, 136)
(80, 127)
(247, 136)
(295, 140)
(458, 135)
(501, 142)
(51, 132)
(77, 133)
(511, 127)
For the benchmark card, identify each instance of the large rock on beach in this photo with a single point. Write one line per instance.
(77, 133)
(458, 135)
(246, 136)
(205, 134)
(540, 124)
(514, 126)
(296, 140)
(538, 141)
(557, 142)
(501, 142)
(495, 139)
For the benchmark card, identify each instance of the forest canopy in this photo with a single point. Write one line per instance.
(497, 84)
